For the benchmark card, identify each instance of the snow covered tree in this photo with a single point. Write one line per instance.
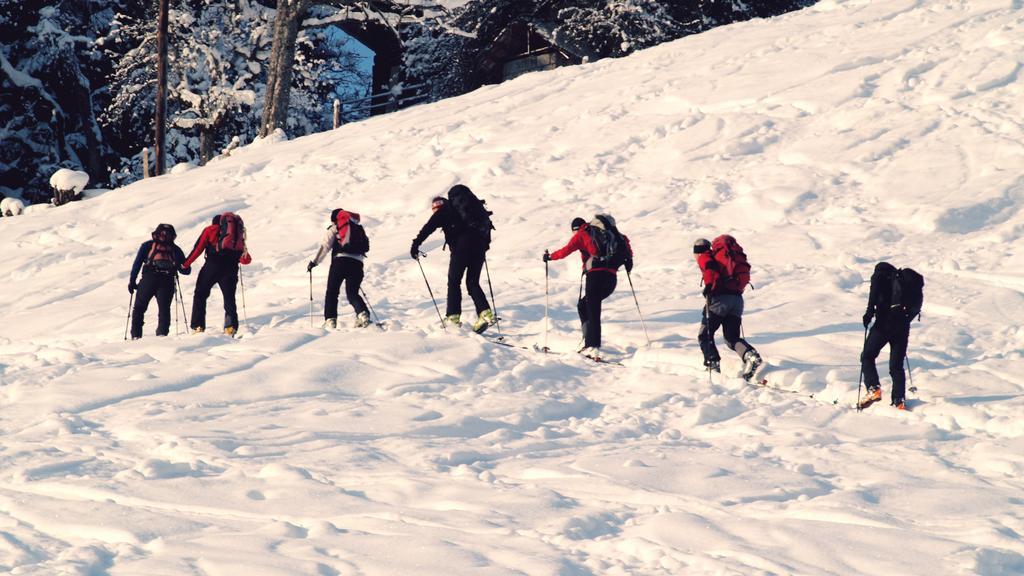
(589, 29)
(295, 16)
(219, 52)
(52, 78)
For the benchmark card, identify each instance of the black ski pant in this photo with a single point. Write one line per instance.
(468, 264)
(896, 334)
(161, 286)
(725, 311)
(225, 275)
(599, 285)
(349, 271)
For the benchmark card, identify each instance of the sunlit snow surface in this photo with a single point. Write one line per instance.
(824, 140)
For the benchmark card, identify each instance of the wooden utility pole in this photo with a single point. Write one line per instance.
(161, 86)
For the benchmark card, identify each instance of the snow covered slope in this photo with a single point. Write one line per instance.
(825, 140)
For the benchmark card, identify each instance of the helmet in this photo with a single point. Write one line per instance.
(436, 202)
(164, 233)
(701, 245)
(576, 223)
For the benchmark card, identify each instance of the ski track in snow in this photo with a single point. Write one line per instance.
(825, 140)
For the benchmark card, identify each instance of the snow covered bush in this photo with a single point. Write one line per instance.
(11, 207)
(68, 185)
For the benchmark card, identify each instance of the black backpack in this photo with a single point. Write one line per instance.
(907, 292)
(475, 219)
(611, 246)
(358, 242)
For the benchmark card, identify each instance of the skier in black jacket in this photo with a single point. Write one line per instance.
(468, 252)
(891, 327)
(160, 259)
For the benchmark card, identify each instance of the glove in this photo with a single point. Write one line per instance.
(706, 291)
(132, 286)
(185, 270)
(629, 266)
(867, 319)
(547, 257)
(310, 266)
(414, 252)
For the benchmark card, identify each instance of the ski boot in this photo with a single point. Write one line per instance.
(874, 395)
(751, 362)
(592, 352)
(230, 331)
(453, 320)
(330, 323)
(362, 320)
(484, 321)
(714, 366)
(198, 330)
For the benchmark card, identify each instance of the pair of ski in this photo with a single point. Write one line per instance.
(502, 341)
(859, 406)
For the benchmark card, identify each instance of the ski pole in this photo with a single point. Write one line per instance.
(910, 375)
(367, 300)
(494, 305)
(310, 298)
(860, 378)
(245, 316)
(181, 299)
(642, 323)
(177, 331)
(546, 298)
(131, 295)
(432, 299)
(704, 327)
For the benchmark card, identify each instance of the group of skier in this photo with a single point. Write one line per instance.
(895, 296)
(161, 260)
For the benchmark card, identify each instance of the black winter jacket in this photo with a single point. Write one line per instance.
(140, 259)
(455, 235)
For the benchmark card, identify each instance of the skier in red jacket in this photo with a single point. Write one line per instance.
(223, 242)
(600, 267)
(723, 307)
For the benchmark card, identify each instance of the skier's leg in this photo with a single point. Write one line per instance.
(228, 285)
(474, 266)
(456, 268)
(143, 293)
(581, 309)
(164, 299)
(709, 324)
(872, 346)
(600, 285)
(731, 332)
(353, 273)
(334, 278)
(897, 354)
(207, 278)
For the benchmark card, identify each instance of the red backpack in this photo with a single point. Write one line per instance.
(735, 271)
(348, 225)
(231, 235)
(161, 253)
